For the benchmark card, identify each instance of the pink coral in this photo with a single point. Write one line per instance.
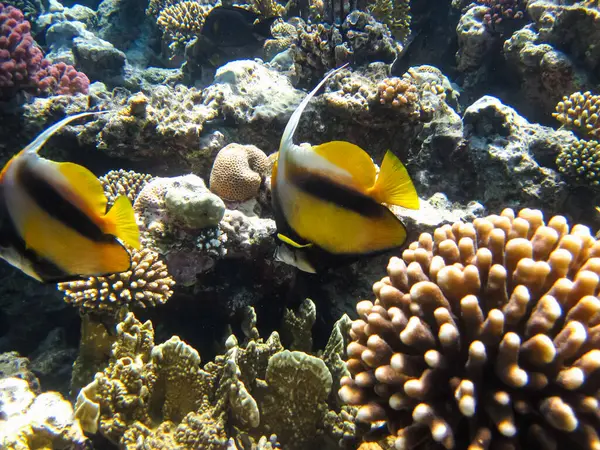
(500, 10)
(22, 63)
(61, 79)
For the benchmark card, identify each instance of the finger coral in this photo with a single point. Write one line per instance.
(124, 182)
(147, 283)
(401, 94)
(581, 162)
(580, 112)
(238, 171)
(484, 335)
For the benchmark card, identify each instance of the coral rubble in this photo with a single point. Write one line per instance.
(484, 334)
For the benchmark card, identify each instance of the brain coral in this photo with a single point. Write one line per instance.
(147, 283)
(238, 171)
(485, 335)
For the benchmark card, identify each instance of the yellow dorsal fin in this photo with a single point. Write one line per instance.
(121, 222)
(393, 185)
(86, 185)
(287, 240)
(351, 158)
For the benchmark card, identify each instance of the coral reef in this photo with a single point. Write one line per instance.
(29, 421)
(238, 171)
(146, 284)
(401, 94)
(14, 366)
(161, 393)
(581, 162)
(124, 182)
(483, 334)
(22, 63)
(500, 10)
(580, 113)
(393, 13)
(475, 39)
(182, 21)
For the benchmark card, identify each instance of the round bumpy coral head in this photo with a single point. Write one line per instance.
(238, 171)
(485, 335)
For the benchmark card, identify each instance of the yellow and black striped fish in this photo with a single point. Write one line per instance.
(330, 195)
(54, 225)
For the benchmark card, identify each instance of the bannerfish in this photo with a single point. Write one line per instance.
(232, 26)
(53, 220)
(329, 197)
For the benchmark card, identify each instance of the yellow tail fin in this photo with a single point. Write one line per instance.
(393, 185)
(121, 219)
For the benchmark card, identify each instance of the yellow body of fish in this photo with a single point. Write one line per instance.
(54, 220)
(331, 195)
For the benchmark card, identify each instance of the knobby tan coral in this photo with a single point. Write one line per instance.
(485, 335)
(123, 182)
(580, 112)
(238, 171)
(401, 94)
(147, 283)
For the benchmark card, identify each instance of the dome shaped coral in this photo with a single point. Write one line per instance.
(238, 171)
(485, 335)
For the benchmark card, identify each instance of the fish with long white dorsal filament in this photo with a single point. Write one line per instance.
(331, 197)
(54, 224)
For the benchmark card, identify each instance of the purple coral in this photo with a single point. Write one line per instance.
(22, 63)
(500, 10)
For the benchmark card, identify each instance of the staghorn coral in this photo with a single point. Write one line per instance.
(147, 283)
(182, 21)
(580, 112)
(484, 335)
(393, 13)
(124, 182)
(581, 162)
(238, 171)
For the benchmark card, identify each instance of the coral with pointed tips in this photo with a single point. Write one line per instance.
(124, 182)
(581, 162)
(579, 112)
(182, 21)
(484, 335)
(147, 283)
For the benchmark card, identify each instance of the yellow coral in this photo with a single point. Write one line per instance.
(580, 112)
(147, 283)
(495, 324)
(183, 20)
(123, 182)
(401, 94)
(238, 171)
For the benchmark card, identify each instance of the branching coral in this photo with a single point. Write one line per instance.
(238, 171)
(393, 13)
(580, 112)
(182, 21)
(484, 335)
(581, 162)
(267, 8)
(124, 182)
(147, 283)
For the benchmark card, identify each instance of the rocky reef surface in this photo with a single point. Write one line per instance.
(482, 333)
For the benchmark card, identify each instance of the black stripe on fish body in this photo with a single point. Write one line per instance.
(328, 190)
(50, 200)
(47, 271)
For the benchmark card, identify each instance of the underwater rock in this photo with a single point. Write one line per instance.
(98, 58)
(513, 159)
(546, 74)
(570, 28)
(28, 421)
(52, 361)
(192, 205)
(12, 365)
(475, 39)
(246, 91)
(120, 21)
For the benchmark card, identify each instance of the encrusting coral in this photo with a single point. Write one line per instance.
(484, 335)
(580, 113)
(147, 283)
(161, 396)
(581, 162)
(238, 171)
